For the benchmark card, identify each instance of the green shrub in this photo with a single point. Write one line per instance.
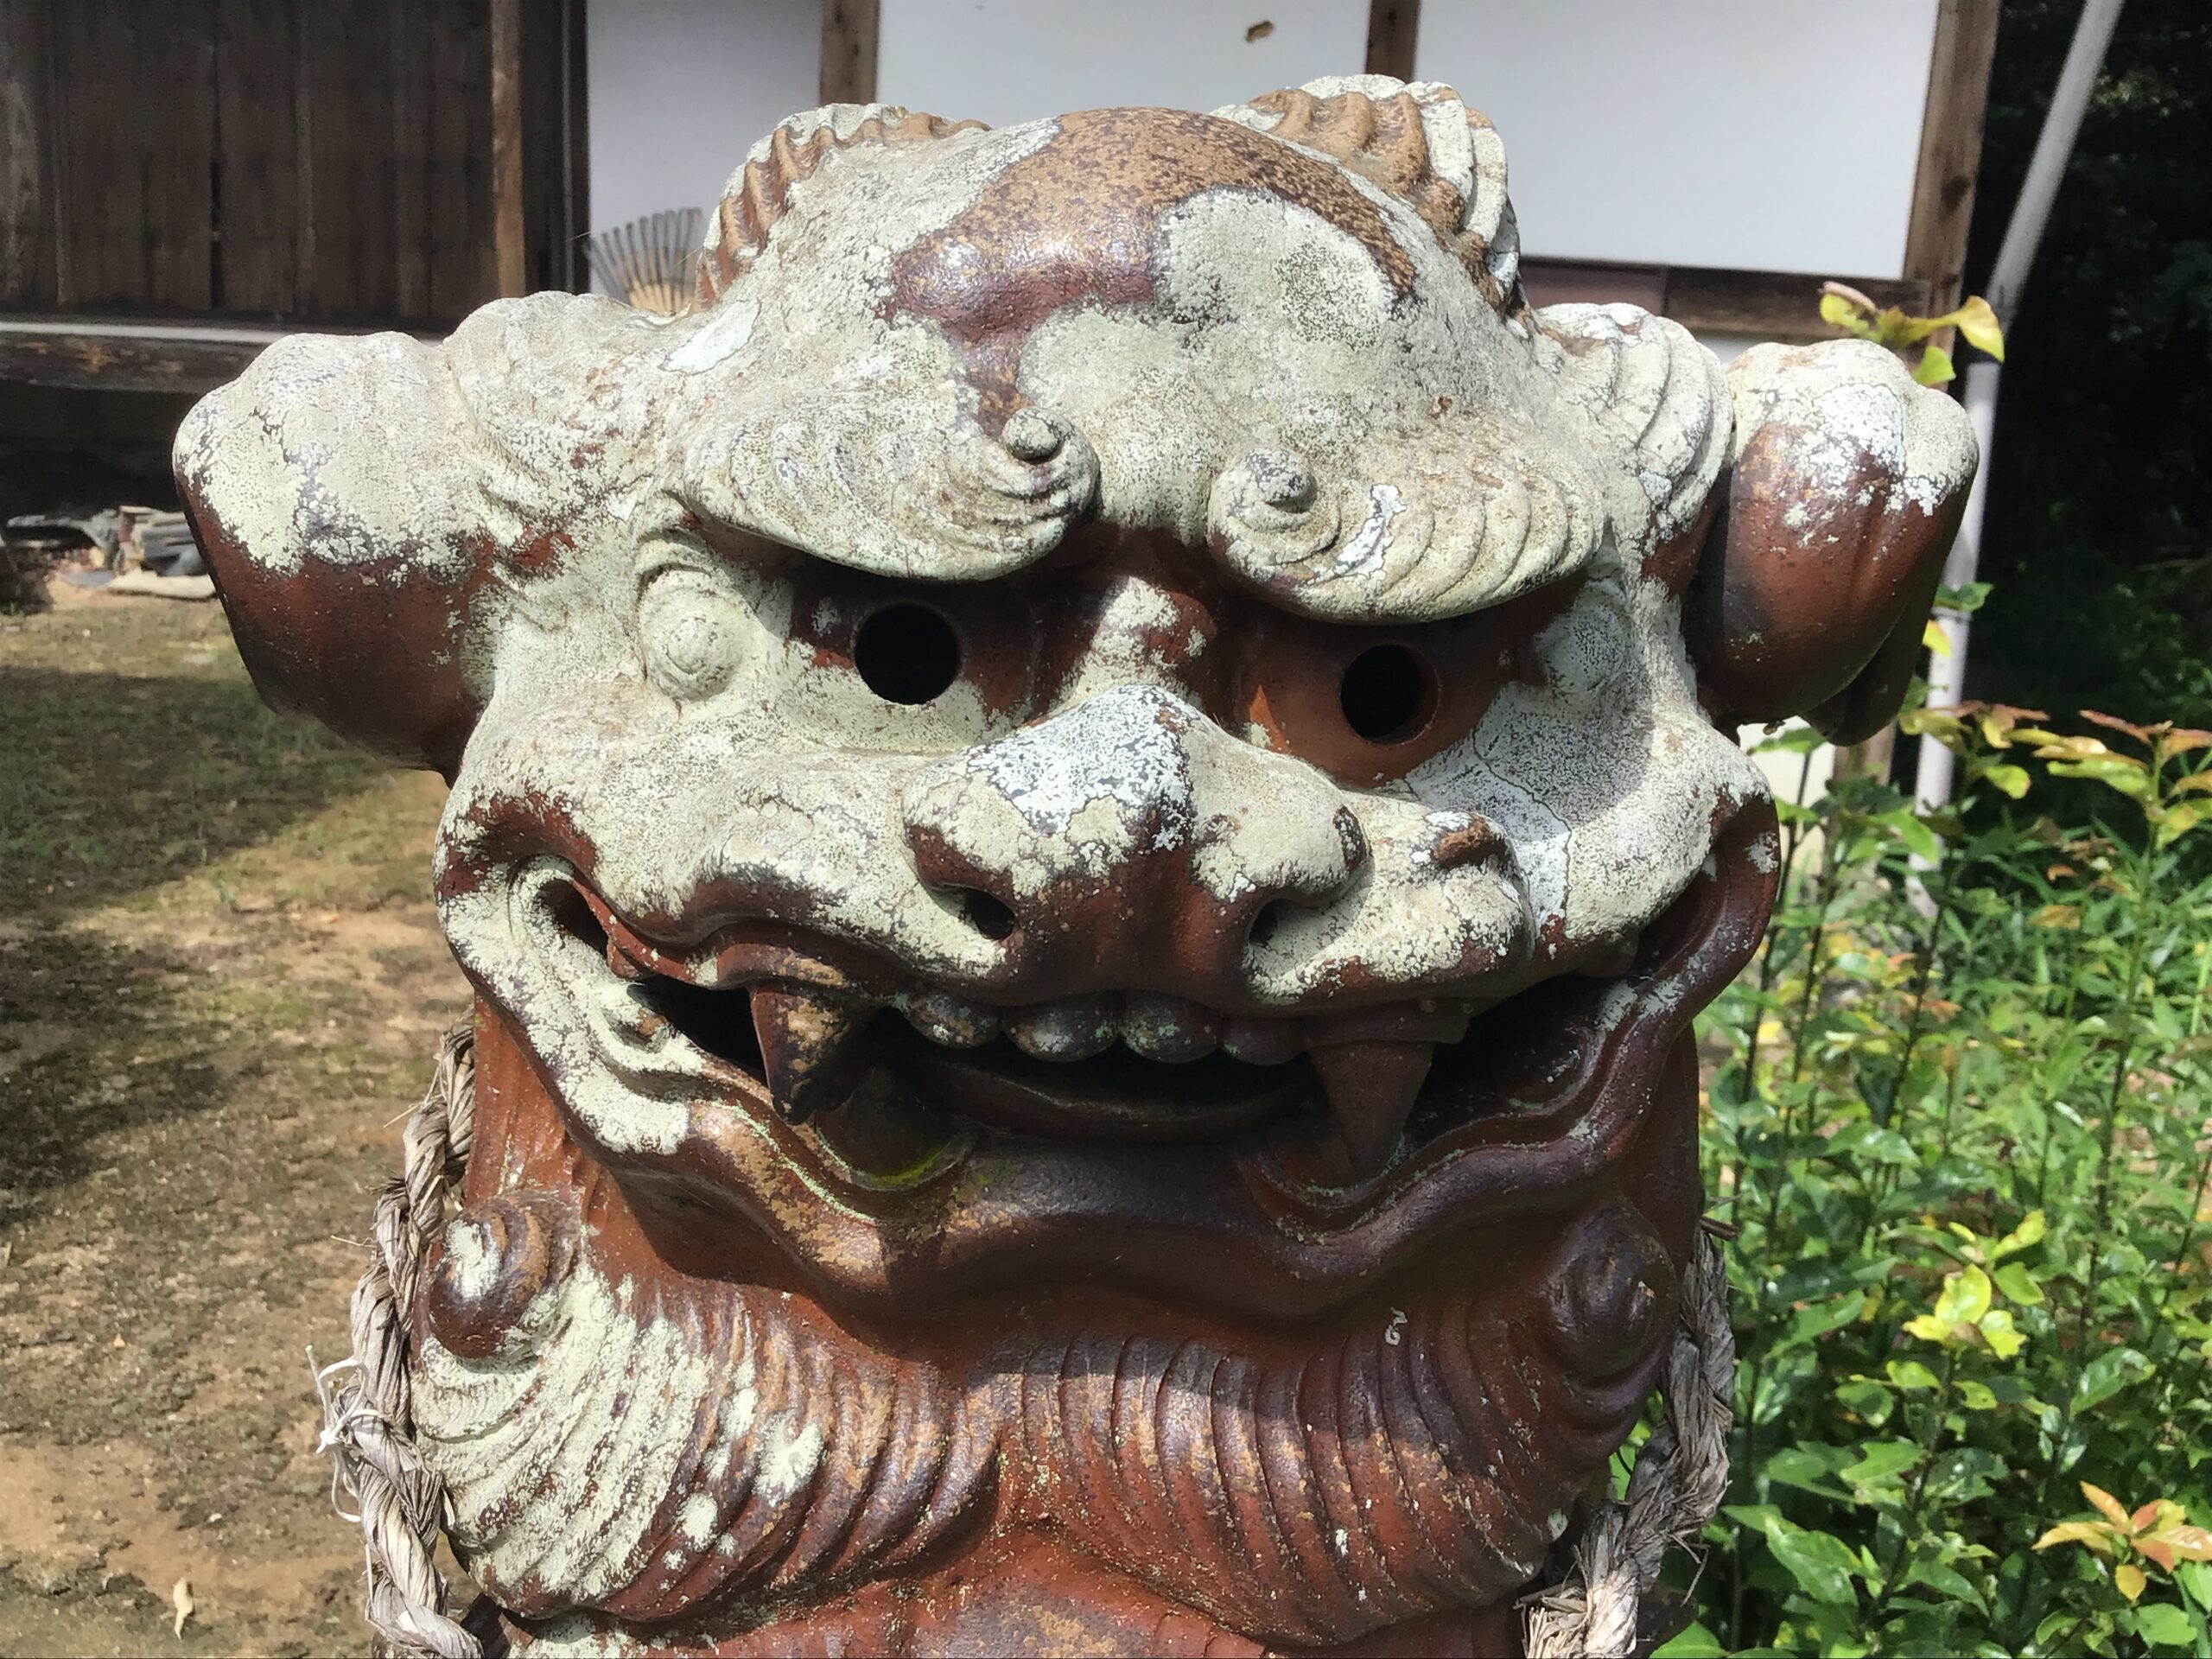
(1957, 1113)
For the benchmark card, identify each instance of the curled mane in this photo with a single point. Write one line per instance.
(1423, 145)
(757, 193)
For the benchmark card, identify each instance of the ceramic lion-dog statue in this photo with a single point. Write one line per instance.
(1088, 809)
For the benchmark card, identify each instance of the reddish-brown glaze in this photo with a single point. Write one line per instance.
(373, 650)
(1293, 677)
(1112, 1521)
(1079, 221)
(1813, 587)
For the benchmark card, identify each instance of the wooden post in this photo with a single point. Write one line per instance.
(1942, 205)
(1393, 29)
(849, 36)
(1950, 147)
(509, 252)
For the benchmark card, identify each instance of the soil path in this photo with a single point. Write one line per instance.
(220, 984)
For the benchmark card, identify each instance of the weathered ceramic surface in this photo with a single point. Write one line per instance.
(1171, 1130)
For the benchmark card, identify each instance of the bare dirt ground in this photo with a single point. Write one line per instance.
(220, 985)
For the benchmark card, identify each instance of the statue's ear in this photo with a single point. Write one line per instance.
(1843, 490)
(329, 491)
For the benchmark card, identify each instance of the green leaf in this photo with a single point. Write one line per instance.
(1978, 323)
(1963, 1474)
(1881, 1460)
(1693, 1642)
(1867, 1143)
(1839, 312)
(2106, 1375)
(2028, 1234)
(1868, 1400)
(1996, 1330)
(1810, 1469)
(2164, 1625)
(2007, 778)
(1933, 368)
(2195, 1579)
(1919, 840)
(2175, 821)
(1809, 1324)
(1962, 1301)
(1976, 1397)
(1947, 1580)
(1823, 1565)
(2112, 771)
(1965, 598)
(2019, 1285)
(1910, 1375)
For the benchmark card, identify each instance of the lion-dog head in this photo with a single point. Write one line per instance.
(1090, 804)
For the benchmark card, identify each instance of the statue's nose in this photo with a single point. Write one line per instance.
(1128, 842)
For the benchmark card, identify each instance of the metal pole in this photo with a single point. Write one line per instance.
(2062, 123)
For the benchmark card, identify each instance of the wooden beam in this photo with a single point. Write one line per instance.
(99, 355)
(1771, 304)
(125, 357)
(510, 248)
(1393, 31)
(1950, 147)
(849, 30)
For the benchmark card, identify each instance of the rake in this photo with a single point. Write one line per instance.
(649, 262)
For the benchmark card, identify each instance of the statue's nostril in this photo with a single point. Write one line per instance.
(1270, 918)
(987, 915)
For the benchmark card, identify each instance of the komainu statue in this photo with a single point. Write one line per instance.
(1089, 807)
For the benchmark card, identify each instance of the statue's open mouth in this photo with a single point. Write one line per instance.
(962, 1134)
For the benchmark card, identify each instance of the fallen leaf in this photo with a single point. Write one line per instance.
(181, 1598)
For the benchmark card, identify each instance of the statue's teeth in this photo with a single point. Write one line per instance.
(803, 1033)
(1168, 1028)
(1262, 1041)
(1372, 1087)
(1074, 1028)
(952, 1020)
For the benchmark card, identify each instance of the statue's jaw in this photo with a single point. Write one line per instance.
(899, 1143)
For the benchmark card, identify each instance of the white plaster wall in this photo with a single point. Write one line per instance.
(680, 89)
(1767, 135)
(1775, 135)
(1002, 62)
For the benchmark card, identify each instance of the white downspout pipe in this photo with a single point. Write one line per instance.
(2062, 123)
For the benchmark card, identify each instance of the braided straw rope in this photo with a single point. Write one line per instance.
(368, 1425)
(1680, 1476)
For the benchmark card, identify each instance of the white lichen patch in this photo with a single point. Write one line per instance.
(1860, 434)
(555, 1461)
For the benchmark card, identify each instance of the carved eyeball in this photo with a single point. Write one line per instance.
(690, 630)
(1587, 648)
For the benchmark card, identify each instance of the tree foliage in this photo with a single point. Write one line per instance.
(2101, 487)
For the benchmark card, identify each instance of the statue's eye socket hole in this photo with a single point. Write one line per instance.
(907, 653)
(1389, 693)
